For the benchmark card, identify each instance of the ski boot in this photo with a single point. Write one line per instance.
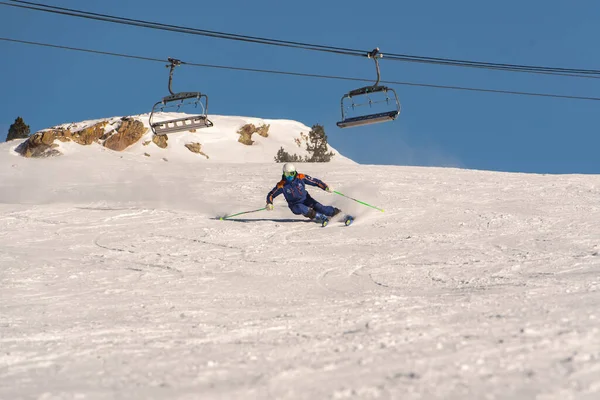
(320, 218)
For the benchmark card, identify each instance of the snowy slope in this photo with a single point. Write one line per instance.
(116, 281)
(219, 142)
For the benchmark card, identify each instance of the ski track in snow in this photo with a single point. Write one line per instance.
(471, 285)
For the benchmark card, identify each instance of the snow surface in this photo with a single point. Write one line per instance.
(118, 282)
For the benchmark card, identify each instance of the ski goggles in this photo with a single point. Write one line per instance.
(289, 174)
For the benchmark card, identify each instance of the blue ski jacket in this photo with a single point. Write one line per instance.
(294, 191)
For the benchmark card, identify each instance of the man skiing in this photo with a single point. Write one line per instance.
(292, 185)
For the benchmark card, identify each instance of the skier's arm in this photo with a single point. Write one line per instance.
(276, 191)
(309, 180)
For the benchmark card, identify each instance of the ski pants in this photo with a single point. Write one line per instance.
(307, 206)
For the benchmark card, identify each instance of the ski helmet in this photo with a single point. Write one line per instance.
(289, 171)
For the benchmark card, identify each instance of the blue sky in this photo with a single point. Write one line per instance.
(436, 127)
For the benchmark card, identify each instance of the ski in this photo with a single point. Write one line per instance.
(347, 220)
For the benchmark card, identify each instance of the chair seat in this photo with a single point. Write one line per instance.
(181, 124)
(368, 119)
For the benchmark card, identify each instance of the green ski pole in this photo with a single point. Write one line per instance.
(240, 213)
(358, 201)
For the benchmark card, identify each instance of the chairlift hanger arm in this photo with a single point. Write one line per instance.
(375, 55)
(173, 63)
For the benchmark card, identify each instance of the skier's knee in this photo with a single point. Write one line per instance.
(296, 210)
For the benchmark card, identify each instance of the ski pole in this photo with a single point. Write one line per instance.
(243, 212)
(358, 201)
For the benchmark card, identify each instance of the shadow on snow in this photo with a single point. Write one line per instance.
(264, 219)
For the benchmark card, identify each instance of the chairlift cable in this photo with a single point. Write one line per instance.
(589, 75)
(482, 64)
(176, 28)
(569, 72)
(106, 53)
(306, 75)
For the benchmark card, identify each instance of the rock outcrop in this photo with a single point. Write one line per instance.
(41, 144)
(35, 147)
(130, 131)
(195, 148)
(90, 134)
(247, 130)
(160, 141)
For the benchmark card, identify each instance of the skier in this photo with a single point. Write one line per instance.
(292, 185)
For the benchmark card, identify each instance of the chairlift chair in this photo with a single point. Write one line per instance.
(390, 98)
(178, 100)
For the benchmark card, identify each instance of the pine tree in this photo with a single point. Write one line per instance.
(284, 156)
(317, 145)
(18, 130)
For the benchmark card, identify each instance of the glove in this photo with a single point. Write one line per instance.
(329, 189)
(269, 206)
